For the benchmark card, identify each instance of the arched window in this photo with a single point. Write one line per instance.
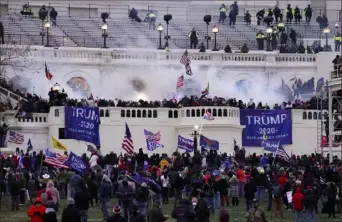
(225, 113)
(170, 114)
(214, 112)
(175, 114)
(134, 113)
(44, 119)
(139, 113)
(198, 112)
(107, 113)
(122, 113)
(193, 114)
(40, 119)
(310, 115)
(128, 113)
(101, 113)
(187, 113)
(144, 113)
(219, 113)
(315, 115)
(155, 114)
(36, 119)
(149, 114)
(305, 115)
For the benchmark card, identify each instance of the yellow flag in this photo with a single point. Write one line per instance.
(58, 145)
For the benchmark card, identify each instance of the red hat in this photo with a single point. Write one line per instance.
(117, 209)
(38, 200)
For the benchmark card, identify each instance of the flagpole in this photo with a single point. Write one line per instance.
(202, 123)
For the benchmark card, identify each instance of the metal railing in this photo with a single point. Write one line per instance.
(122, 42)
(178, 10)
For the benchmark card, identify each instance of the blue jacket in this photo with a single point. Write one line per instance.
(105, 190)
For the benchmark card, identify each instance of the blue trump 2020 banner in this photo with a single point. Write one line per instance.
(82, 123)
(185, 144)
(266, 125)
(76, 163)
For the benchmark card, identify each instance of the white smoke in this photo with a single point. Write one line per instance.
(160, 79)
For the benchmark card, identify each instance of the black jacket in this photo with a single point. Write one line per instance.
(184, 212)
(261, 180)
(202, 211)
(137, 218)
(142, 194)
(82, 200)
(71, 214)
(116, 218)
(310, 200)
(15, 187)
(50, 215)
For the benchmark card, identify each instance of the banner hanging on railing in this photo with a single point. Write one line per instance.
(274, 125)
(82, 123)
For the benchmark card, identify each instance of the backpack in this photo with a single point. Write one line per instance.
(276, 191)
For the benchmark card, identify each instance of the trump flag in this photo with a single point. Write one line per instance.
(82, 123)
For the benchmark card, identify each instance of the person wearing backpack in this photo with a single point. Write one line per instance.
(277, 199)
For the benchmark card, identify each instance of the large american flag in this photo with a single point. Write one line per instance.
(54, 159)
(280, 152)
(180, 82)
(14, 137)
(185, 60)
(127, 143)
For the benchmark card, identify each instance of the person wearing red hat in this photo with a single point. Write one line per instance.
(116, 217)
(36, 211)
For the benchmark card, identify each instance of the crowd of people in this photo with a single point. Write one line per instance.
(36, 104)
(201, 184)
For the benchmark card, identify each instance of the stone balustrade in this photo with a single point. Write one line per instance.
(231, 114)
(112, 55)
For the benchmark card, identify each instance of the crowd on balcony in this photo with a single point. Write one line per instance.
(36, 104)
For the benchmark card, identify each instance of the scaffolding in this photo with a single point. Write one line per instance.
(333, 123)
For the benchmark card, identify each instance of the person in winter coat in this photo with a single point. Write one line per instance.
(250, 190)
(297, 202)
(126, 193)
(261, 182)
(331, 192)
(156, 214)
(223, 189)
(201, 209)
(105, 193)
(277, 199)
(136, 215)
(36, 211)
(224, 216)
(116, 217)
(310, 203)
(208, 189)
(240, 175)
(15, 186)
(71, 213)
(184, 212)
(234, 190)
(50, 188)
(141, 198)
(50, 215)
(82, 202)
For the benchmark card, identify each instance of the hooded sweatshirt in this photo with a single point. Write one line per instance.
(297, 200)
(51, 189)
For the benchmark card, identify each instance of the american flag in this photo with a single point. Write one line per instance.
(54, 159)
(185, 60)
(180, 82)
(207, 115)
(127, 143)
(282, 153)
(14, 137)
(48, 74)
